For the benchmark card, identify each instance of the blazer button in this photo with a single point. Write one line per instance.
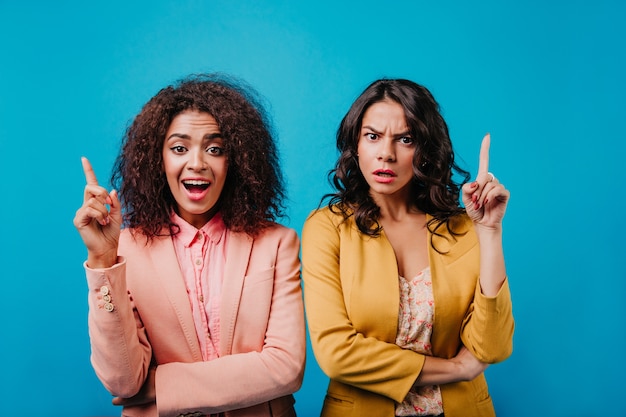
(109, 307)
(104, 290)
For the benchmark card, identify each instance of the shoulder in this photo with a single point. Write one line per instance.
(458, 225)
(454, 238)
(273, 232)
(326, 217)
(328, 227)
(462, 224)
(132, 240)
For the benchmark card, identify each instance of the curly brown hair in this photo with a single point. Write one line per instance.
(253, 194)
(433, 189)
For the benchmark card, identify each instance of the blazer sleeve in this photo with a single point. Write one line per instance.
(249, 375)
(120, 352)
(484, 324)
(487, 330)
(369, 362)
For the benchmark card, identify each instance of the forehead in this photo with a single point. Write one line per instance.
(193, 120)
(385, 112)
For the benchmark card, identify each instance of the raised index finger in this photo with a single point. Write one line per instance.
(483, 161)
(90, 175)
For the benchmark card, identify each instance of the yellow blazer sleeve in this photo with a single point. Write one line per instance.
(365, 357)
(483, 324)
(488, 328)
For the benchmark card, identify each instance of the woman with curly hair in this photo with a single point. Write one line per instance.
(406, 293)
(194, 290)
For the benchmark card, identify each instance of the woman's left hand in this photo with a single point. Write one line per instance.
(485, 199)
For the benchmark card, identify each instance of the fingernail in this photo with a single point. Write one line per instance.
(474, 184)
(486, 201)
(474, 198)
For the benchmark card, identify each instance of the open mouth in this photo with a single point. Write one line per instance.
(196, 186)
(384, 173)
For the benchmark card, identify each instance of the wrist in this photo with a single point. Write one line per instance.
(488, 233)
(102, 261)
(460, 371)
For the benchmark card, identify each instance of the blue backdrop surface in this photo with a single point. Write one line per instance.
(545, 78)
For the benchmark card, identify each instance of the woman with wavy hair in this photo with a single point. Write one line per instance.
(194, 290)
(406, 293)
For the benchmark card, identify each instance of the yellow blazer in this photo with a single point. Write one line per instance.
(352, 298)
(150, 322)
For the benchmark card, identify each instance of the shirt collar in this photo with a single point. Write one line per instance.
(214, 229)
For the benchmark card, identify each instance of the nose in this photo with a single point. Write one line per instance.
(386, 151)
(197, 161)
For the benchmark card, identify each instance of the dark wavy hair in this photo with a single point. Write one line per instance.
(253, 193)
(433, 189)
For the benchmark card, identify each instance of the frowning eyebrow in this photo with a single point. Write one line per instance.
(370, 128)
(398, 135)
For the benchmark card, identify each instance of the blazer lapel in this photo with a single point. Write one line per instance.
(170, 277)
(237, 258)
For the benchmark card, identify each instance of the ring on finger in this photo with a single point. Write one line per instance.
(492, 176)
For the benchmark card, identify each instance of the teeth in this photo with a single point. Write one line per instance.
(383, 174)
(195, 182)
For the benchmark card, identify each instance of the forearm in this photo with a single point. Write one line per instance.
(103, 260)
(120, 352)
(437, 371)
(492, 267)
(463, 367)
(216, 386)
(487, 329)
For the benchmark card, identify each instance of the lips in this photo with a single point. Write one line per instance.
(196, 185)
(384, 175)
(196, 188)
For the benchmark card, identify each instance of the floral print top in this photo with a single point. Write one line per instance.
(415, 326)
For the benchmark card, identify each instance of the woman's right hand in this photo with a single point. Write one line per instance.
(99, 226)
(469, 366)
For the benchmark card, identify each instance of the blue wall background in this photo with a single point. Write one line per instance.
(545, 78)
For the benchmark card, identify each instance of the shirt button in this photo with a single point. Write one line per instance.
(201, 298)
(199, 236)
(198, 261)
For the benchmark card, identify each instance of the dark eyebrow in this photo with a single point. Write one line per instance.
(399, 135)
(177, 135)
(209, 137)
(214, 136)
(371, 128)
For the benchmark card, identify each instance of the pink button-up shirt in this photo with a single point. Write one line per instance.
(201, 255)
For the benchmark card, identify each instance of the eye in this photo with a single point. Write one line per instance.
(215, 150)
(407, 140)
(178, 149)
(371, 136)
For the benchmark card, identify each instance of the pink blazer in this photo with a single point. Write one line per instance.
(140, 316)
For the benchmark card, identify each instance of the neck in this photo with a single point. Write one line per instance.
(393, 209)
